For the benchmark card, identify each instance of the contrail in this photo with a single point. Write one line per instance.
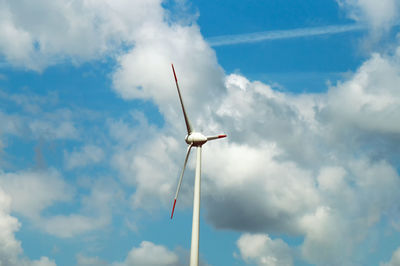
(282, 34)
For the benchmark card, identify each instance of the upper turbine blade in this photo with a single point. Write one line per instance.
(216, 137)
(188, 126)
(180, 179)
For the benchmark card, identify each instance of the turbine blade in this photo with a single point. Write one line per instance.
(216, 137)
(180, 179)
(188, 126)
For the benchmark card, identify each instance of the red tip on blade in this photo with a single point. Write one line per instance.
(173, 69)
(221, 136)
(173, 208)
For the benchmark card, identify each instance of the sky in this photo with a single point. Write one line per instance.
(92, 134)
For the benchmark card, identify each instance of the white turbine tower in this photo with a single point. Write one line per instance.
(193, 139)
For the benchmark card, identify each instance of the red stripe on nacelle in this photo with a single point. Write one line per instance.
(173, 208)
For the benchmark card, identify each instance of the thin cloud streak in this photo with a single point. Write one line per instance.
(282, 34)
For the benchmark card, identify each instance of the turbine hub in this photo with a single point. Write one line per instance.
(196, 139)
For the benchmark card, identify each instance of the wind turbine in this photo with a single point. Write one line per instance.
(193, 139)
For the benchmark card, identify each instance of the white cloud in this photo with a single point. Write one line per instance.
(150, 254)
(306, 164)
(89, 261)
(147, 159)
(148, 167)
(281, 182)
(395, 260)
(157, 46)
(11, 253)
(44, 261)
(33, 191)
(379, 15)
(324, 243)
(89, 154)
(370, 100)
(278, 192)
(295, 159)
(253, 113)
(9, 246)
(262, 250)
(84, 30)
(146, 254)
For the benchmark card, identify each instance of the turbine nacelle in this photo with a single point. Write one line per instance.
(196, 139)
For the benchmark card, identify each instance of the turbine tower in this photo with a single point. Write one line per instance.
(193, 139)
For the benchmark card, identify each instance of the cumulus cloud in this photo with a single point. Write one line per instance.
(346, 198)
(150, 167)
(35, 190)
(308, 165)
(150, 254)
(54, 31)
(146, 157)
(10, 247)
(157, 46)
(278, 192)
(379, 15)
(262, 250)
(11, 253)
(146, 254)
(366, 189)
(44, 261)
(370, 100)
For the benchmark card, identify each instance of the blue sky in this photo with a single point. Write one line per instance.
(92, 135)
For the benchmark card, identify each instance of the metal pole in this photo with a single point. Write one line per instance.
(194, 249)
